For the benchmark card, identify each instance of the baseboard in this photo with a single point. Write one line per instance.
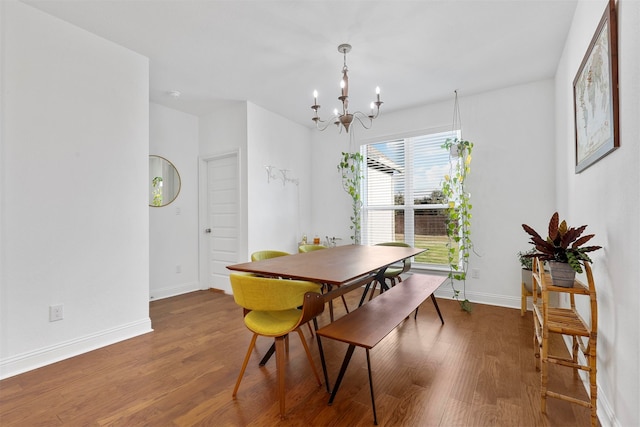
(445, 291)
(605, 412)
(47, 355)
(172, 291)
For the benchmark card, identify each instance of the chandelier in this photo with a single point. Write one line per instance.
(345, 118)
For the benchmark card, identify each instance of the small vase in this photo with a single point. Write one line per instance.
(562, 274)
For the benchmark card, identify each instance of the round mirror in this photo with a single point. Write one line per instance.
(164, 181)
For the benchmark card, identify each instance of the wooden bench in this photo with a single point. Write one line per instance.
(370, 323)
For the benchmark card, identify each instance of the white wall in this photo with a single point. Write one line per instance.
(173, 229)
(331, 205)
(606, 196)
(278, 213)
(223, 130)
(73, 187)
(512, 130)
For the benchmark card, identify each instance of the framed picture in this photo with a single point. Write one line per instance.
(595, 94)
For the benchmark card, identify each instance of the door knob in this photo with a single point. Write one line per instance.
(207, 230)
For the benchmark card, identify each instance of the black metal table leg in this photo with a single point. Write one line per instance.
(366, 291)
(322, 360)
(329, 288)
(268, 355)
(343, 368)
(380, 279)
(373, 399)
(435, 303)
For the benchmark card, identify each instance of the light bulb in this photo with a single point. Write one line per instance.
(377, 90)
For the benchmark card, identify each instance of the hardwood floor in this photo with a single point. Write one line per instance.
(476, 370)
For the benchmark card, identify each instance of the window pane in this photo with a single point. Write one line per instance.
(385, 173)
(430, 164)
(430, 233)
(384, 225)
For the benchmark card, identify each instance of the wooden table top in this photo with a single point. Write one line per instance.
(334, 266)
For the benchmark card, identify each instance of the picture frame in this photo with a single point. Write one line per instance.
(595, 95)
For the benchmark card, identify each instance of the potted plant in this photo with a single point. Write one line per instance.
(526, 263)
(458, 220)
(563, 249)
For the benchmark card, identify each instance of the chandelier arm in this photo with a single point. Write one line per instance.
(359, 115)
(375, 116)
(323, 124)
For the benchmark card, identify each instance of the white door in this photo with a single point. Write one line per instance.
(223, 216)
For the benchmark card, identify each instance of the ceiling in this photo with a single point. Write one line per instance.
(275, 53)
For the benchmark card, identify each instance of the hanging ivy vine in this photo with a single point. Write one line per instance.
(458, 220)
(350, 168)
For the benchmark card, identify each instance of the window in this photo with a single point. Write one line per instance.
(402, 197)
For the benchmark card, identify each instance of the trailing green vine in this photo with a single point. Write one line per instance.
(157, 191)
(458, 221)
(350, 168)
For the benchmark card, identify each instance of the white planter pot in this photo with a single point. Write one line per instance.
(527, 279)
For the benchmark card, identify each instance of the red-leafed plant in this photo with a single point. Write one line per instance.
(563, 244)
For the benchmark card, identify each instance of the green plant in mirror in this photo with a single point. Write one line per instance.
(458, 220)
(350, 168)
(157, 191)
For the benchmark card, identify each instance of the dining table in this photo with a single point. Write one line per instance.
(344, 268)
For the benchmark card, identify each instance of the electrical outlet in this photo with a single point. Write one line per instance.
(475, 273)
(178, 269)
(56, 313)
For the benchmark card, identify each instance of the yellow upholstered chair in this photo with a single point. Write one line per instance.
(393, 272)
(309, 248)
(267, 254)
(260, 255)
(271, 310)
